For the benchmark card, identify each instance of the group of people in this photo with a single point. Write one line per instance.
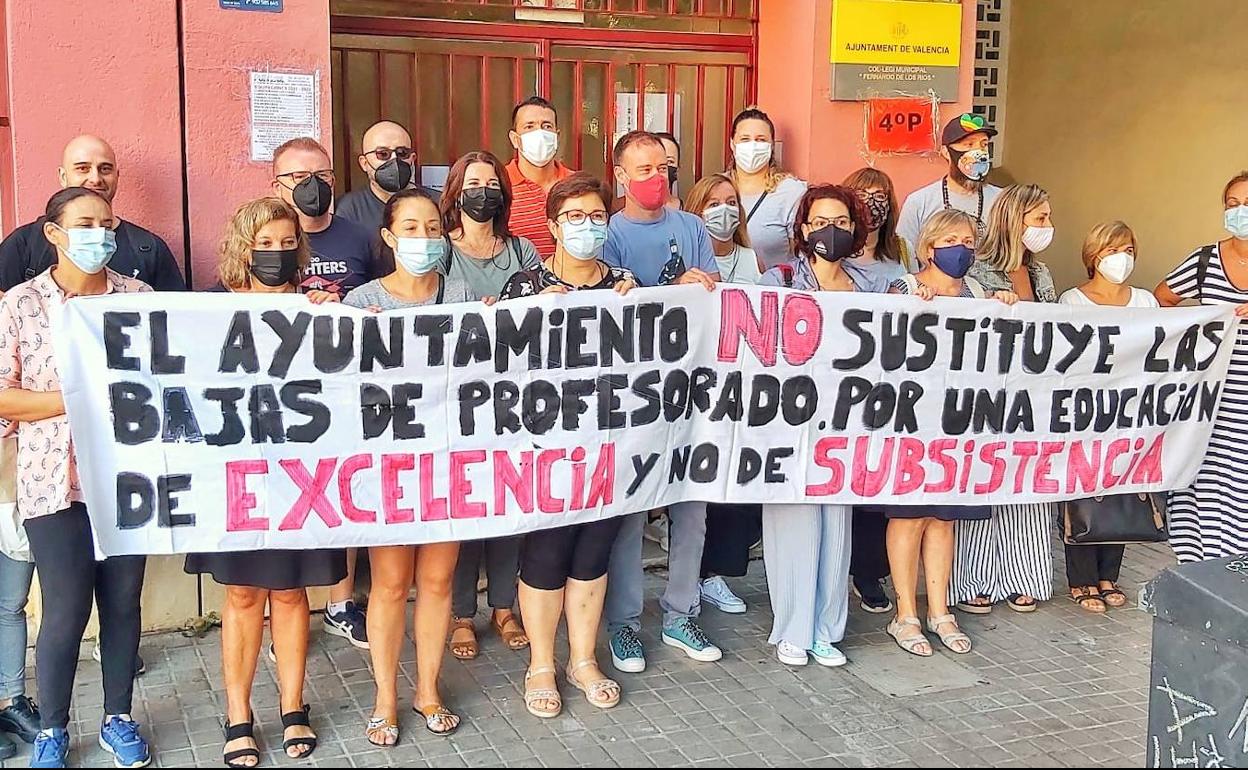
(499, 232)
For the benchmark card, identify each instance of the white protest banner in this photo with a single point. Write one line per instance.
(232, 422)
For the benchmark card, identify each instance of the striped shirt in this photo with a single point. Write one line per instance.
(1209, 519)
(528, 207)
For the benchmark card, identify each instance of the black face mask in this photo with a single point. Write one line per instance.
(394, 175)
(312, 196)
(672, 171)
(275, 267)
(831, 243)
(481, 203)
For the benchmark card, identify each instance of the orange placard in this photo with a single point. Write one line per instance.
(900, 125)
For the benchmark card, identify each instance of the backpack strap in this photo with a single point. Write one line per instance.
(754, 208)
(786, 272)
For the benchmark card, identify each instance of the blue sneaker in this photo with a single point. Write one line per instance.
(688, 636)
(51, 749)
(351, 624)
(826, 654)
(120, 737)
(627, 654)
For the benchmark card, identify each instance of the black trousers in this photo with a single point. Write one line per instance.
(1087, 565)
(69, 576)
(549, 557)
(868, 559)
(502, 563)
(731, 529)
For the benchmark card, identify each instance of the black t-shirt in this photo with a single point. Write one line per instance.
(365, 209)
(342, 258)
(527, 283)
(140, 254)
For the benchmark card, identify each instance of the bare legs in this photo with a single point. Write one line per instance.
(393, 567)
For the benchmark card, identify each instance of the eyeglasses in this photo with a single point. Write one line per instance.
(578, 217)
(818, 223)
(879, 196)
(384, 154)
(297, 178)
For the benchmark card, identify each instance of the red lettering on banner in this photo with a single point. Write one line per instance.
(938, 451)
(737, 320)
(578, 479)
(546, 502)
(1024, 451)
(909, 466)
(824, 448)
(238, 500)
(508, 479)
(431, 508)
(1148, 471)
(311, 493)
(1082, 470)
(988, 453)
(803, 328)
(602, 480)
(461, 485)
(391, 492)
(1117, 448)
(1042, 482)
(346, 475)
(863, 480)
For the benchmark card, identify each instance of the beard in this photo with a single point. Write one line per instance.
(964, 181)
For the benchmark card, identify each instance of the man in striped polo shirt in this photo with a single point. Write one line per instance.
(535, 136)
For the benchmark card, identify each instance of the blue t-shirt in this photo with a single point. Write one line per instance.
(658, 252)
(342, 258)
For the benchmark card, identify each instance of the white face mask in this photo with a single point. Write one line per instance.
(539, 146)
(751, 157)
(1037, 239)
(1116, 267)
(722, 221)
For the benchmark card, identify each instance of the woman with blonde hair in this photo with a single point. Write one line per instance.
(945, 249)
(265, 251)
(769, 195)
(1109, 254)
(715, 199)
(1009, 557)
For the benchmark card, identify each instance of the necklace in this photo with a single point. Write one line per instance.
(979, 212)
(732, 269)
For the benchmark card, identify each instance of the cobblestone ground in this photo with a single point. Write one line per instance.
(1057, 688)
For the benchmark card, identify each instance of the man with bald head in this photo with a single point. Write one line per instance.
(89, 162)
(386, 155)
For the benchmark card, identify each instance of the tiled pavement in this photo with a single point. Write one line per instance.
(1057, 688)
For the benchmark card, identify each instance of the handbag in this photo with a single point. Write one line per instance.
(1115, 519)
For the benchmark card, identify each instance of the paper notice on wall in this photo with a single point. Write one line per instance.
(284, 105)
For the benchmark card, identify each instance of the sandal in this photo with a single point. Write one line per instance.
(1119, 600)
(237, 733)
(510, 630)
(910, 644)
(1089, 601)
(950, 639)
(438, 719)
(298, 719)
(465, 647)
(1016, 603)
(383, 728)
(595, 690)
(980, 605)
(533, 697)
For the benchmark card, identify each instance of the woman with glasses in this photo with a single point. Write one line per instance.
(806, 547)
(484, 255)
(564, 569)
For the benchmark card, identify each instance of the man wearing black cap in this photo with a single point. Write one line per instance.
(964, 143)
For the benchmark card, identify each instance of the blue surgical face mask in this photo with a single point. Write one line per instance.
(954, 261)
(90, 248)
(420, 255)
(1237, 222)
(583, 241)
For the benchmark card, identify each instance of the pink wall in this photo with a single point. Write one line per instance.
(68, 75)
(221, 48)
(823, 139)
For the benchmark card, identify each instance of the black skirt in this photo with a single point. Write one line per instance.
(940, 512)
(273, 570)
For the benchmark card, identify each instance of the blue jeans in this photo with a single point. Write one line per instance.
(15, 579)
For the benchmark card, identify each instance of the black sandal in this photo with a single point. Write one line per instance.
(1015, 603)
(1107, 592)
(298, 719)
(235, 733)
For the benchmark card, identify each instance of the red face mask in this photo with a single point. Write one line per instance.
(650, 194)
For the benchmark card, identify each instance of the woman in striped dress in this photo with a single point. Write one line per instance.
(1010, 556)
(1209, 519)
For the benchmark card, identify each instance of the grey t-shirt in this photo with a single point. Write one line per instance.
(925, 202)
(772, 224)
(373, 294)
(475, 279)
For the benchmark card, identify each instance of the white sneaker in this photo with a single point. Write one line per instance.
(791, 654)
(716, 593)
(828, 655)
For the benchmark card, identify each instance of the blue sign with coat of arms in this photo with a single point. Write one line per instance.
(268, 6)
